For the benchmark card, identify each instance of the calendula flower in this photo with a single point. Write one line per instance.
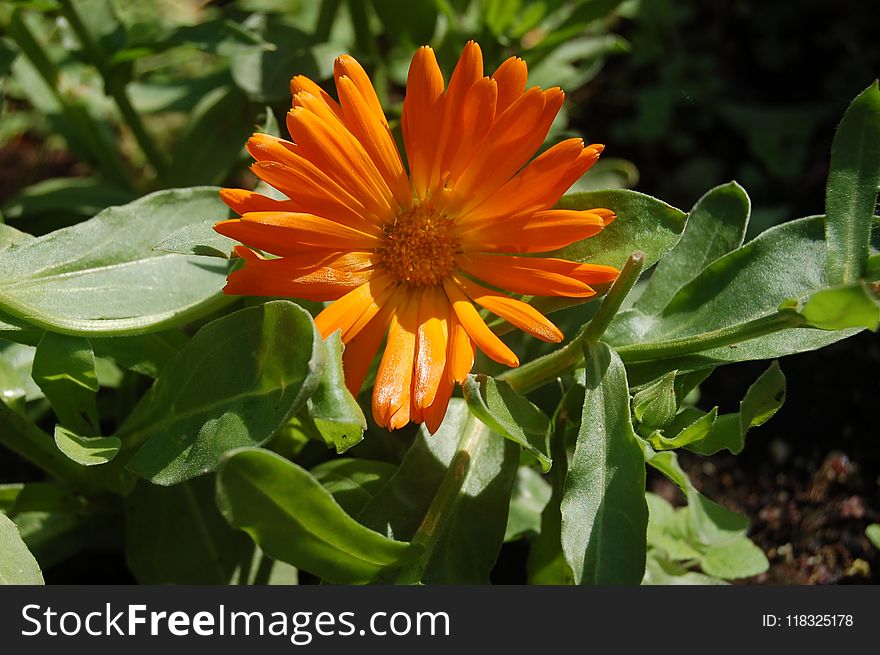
(410, 254)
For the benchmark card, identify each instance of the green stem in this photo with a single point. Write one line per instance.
(642, 352)
(618, 292)
(445, 500)
(116, 88)
(540, 371)
(23, 437)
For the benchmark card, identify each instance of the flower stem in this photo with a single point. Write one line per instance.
(540, 371)
(445, 500)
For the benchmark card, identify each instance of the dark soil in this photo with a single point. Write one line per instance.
(809, 479)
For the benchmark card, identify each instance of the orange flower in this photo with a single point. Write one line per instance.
(401, 253)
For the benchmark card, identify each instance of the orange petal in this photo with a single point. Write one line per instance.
(241, 201)
(286, 278)
(461, 351)
(391, 392)
(527, 275)
(283, 233)
(471, 126)
(540, 184)
(538, 232)
(476, 328)
(302, 84)
(515, 136)
(467, 72)
(516, 312)
(348, 66)
(430, 359)
(421, 116)
(346, 312)
(434, 413)
(372, 131)
(360, 351)
(511, 76)
(328, 144)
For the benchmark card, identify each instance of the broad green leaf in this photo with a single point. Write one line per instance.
(18, 330)
(88, 451)
(64, 368)
(669, 529)
(294, 519)
(236, 382)
(47, 496)
(838, 308)
(762, 400)
(176, 535)
(210, 145)
(873, 533)
(711, 523)
(662, 571)
(197, 239)
(643, 223)
(604, 515)
(656, 404)
(530, 496)
(16, 362)
(10, 236)
(739, 558)
(102, 277)
(715, 226)
(146, 354)
(608, 173)
(853, 182)
(17, 566)
(353, 482)
(472, 535)
(54, 537)
(331, 412)
(787, 261)
(510, 415)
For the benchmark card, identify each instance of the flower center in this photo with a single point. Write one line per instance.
(420, 246)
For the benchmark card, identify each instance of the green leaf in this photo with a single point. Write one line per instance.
(473, 532)
(146, 354)
(294, 519)
(176, 535)
(530, 496)
(762, 400)
(64, 368)
(353, 482)
(88, 451)
(693, 431)
(103, 278)
(237, 381)
(715, 226)
(739, 558)
(643, 223)
(873, 533)
(656, 404)
(853, 181)
(510, 415)
(197, 239)
(711, 523)
(19, 331)
(410, 22)
(331, 411)
(787, 261)
(10, 236)
(604, 515)
(210, 145)
(838, 308)
(661, 571)
(17, 566)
